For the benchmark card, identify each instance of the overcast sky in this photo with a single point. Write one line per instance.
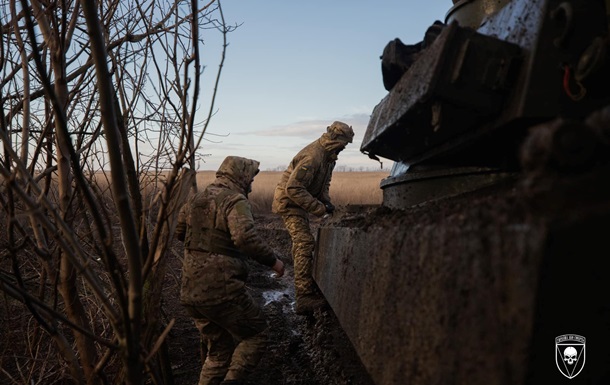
(293, 67)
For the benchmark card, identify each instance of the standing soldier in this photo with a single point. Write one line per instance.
(219, 234)
(303, 190)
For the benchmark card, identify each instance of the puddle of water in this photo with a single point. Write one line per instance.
(273, 296)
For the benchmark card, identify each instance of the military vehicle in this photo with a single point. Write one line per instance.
(486, 262)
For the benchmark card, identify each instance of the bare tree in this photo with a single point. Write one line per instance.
(100, 136)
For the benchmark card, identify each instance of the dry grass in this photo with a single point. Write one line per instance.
(353, 188)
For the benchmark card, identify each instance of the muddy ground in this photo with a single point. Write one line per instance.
(302, 350)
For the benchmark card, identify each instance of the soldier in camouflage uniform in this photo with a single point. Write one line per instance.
(219, 234)
(303, 190)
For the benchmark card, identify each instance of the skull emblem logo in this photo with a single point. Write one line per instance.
(569, 355)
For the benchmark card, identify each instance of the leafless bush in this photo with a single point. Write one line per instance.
(94, 95)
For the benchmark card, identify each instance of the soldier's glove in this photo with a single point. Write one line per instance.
(330, 208)
(320, 210)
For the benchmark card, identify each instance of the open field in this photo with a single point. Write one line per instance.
(353, 188)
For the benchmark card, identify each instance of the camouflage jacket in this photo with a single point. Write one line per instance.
(304, 186)
(220, 214)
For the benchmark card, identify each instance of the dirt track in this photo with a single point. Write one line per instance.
(302, 350)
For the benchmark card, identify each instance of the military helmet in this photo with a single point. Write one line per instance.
(341, 131)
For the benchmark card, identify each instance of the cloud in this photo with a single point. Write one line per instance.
(275, 147)
(309, 129)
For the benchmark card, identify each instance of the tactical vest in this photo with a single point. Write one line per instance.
(201, 234)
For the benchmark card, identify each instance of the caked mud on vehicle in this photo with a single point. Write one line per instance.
(484, 263)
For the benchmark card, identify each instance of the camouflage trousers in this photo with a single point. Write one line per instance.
(234, 338)
(303, 244)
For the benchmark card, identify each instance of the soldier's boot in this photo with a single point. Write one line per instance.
(308, 303)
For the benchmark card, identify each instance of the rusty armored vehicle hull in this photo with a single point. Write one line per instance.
(485, 264)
